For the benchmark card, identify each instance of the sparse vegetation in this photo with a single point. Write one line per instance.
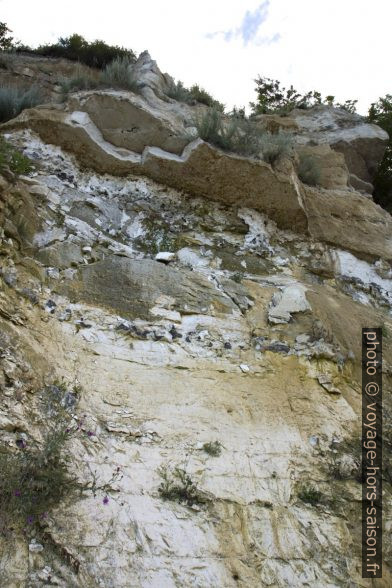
(213, 448)
(35, 475)
(12, 159)
(157, 237)
(13, 100)
(309, 171)
(177, 485)
(310, 495)
(193, 95)
(242, 136)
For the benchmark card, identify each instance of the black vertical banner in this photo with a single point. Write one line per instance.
(372, 453)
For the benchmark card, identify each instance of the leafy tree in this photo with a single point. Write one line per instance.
(273, 98)
(380, 113)
(5, 40)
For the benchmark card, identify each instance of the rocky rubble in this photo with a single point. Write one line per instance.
(192, 297)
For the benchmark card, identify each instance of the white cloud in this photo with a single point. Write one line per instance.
(336, 47)
(249, 28)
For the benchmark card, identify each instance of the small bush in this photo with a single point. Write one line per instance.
(13, 100)
(213, 448)
(12, 159)
(118, 74)
(203, 97)
(192, 95)
(237, 277)
(310, 495)
(177, 485)
(178, 92)
(309, 171)
(274, 146)
(242, 136)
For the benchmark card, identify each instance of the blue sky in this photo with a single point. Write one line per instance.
(339, 47)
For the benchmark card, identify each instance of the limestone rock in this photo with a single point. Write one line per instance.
(132, 287)
(332, 166)
(362, 144)
(291, 300)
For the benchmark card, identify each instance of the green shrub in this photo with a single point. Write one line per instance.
(380, 113)
(12, 159)
(237, 277)
(203, 97)
(177, 485)
(273, 98)
(193, 95)
(309, 171)
(213, 448)
(118, 74)
(5, 40)
(178, 92)
(242, 136)
(13, 100)
(75, 48)
(310, 495)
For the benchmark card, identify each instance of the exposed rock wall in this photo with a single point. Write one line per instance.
(246, 333)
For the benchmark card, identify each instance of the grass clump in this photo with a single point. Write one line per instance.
(310, 495)
(178, 486)
(12, 159)
(213, 448)
(35, 476)
(242, 136)
(13, 100)
(118, 74)
(80, 82)
(309, 171)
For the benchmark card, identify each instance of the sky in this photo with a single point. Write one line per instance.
(338, 47)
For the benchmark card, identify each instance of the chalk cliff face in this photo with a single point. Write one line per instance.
(198, 300)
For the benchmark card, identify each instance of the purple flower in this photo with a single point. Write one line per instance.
(20, 443)
(105, 500)
(90, 433)
(17, 493)
(30, 520)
